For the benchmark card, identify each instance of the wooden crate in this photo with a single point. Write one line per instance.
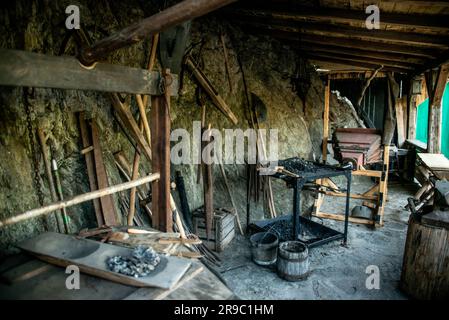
(223, 228)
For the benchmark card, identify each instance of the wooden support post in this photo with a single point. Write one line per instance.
(400, 107)
(435, 99)
(160, 141)
(411, 132)
(390, 119)
(383, 187)
(326, 118)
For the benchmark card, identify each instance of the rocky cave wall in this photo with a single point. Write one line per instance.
(38, 26)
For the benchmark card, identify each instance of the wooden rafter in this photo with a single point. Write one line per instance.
(437, 23)
(361, 58)
(367, 53)
(349, 62)
(335, 32)
(347, 43)
(362, 33)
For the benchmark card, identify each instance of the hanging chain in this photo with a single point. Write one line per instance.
(31, 136)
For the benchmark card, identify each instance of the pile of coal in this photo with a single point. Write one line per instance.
(297, 165)
(142, 262)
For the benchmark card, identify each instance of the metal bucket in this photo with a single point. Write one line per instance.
(264, 247)
(293, 261)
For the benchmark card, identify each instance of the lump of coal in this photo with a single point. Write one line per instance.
(140, 264)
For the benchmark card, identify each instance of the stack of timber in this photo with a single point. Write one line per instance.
(359, 146)
(223, 228)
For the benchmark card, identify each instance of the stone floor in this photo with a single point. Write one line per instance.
(337, 272)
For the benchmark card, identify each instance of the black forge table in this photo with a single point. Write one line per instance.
(300, 172)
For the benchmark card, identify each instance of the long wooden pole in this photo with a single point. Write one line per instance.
(143, 124)
(326, 118)
(134, 176)
(228, 189)
(78, 199)
(211, 91)
(51, 182)
(152, 61)
(143, 118)
(172, 16)
(208, 189)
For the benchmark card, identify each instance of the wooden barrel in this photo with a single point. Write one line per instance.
(293, 261)
(425, 269)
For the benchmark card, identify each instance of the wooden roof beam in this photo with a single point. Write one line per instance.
(415, 39)
(346, 43)
(349, 57)
(367, 53)
(365, 65)
(344, 75)
(437, 23)
(172, 16)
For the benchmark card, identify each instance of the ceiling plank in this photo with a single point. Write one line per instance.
(384, 36)
(346, 43)
(362, 53)
(397, 6)
(350, 57)
(365, 65)
(437, 23)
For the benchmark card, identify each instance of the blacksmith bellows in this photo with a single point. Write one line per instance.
(359, 146)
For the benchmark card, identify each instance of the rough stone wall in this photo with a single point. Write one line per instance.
(39, 26)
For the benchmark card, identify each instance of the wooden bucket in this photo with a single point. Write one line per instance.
(293, 261)
(264, 248)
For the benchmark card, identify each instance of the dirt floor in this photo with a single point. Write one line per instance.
(337, 272)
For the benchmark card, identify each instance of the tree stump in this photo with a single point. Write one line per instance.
(425, 269)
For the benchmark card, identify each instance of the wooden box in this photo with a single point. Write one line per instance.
(223, 228)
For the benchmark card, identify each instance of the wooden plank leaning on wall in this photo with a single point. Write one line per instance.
(160, 142)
